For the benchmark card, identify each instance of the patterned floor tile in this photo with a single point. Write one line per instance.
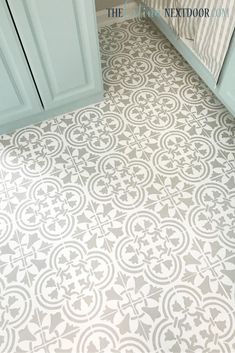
(31, 151)
(194, 322)
(103, 337)
(13, 189)
(5, 141)
(224, 133)
(46, 332)
(197, 119)
(118, 181)
(17, 309)
(187, 157)
(138, 37)
(56, 333)
(74, 281)
(117, 220)
(127, 71)
(14, 252)
(213, 216)
(153, 110)
(95, 129)
(225, 272)
(170, 197)
(132, 307)
(51, 206)
(104, 237)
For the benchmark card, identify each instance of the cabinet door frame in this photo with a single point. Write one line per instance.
(15, 69)
(27, 20)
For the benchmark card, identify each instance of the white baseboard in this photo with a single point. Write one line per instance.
(132, 11)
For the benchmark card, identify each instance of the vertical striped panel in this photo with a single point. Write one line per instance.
(186, 24)
(211, 36)
(160, 5)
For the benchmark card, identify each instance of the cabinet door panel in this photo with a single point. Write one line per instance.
(18, 95)
(60, 40)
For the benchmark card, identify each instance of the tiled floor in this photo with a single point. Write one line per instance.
(117, 222)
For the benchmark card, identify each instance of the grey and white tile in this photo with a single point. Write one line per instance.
(117, 228)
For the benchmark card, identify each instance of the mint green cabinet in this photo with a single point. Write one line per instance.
(49, 60)
(18, 94)
(60, 41)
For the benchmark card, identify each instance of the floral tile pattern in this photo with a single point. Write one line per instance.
(117, 221)
(193, 322)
